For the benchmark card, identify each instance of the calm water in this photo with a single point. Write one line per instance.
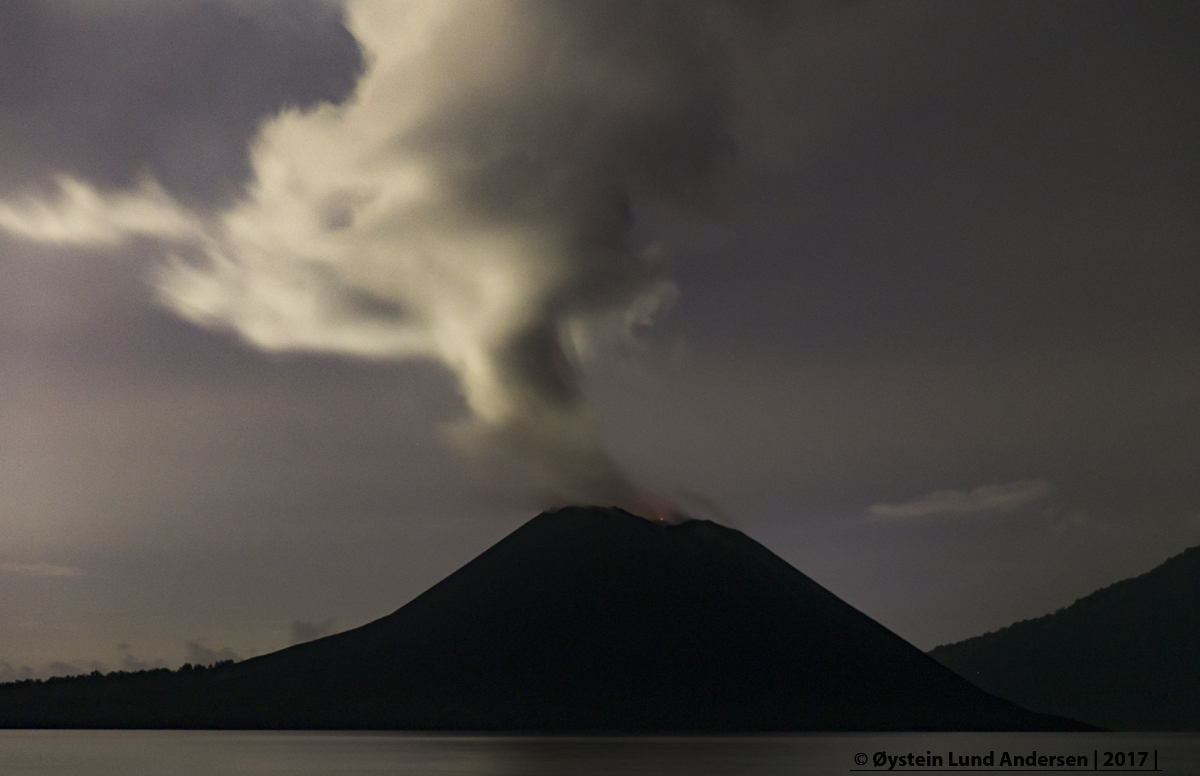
(203, 753)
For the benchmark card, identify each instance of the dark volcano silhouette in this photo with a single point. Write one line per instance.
(1126, 657)
(584, 619)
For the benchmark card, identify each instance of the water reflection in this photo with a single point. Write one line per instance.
(221, 753)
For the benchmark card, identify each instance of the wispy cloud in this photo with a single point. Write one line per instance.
(11, 673)
(985, 498)
(303, 630)
(131, 662)
(84, 216)
(16, 673)
(40, 569)
(200, 653)
(62, 668)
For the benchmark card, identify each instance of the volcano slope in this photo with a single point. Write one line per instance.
(582, 620)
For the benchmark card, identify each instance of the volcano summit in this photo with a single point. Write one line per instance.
(583, 620)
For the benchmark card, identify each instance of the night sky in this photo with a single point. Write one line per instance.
(302, 307)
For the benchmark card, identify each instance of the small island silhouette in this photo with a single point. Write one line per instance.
(582, 620)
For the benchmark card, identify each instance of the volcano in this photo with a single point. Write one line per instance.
(582, 620)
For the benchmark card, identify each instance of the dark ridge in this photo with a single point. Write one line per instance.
(582, 620)
(1126, 657)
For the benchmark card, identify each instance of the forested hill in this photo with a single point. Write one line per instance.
(1126, 657)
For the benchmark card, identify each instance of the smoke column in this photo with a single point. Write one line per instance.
(471, 203)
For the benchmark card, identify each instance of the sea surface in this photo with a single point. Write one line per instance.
(217, 753)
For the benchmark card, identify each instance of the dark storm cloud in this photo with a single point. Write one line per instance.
(111, 92)
(999, 177)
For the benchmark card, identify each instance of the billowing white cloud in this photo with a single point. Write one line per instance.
(985, 498)
(471, 202)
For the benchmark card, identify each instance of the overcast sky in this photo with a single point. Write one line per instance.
(303, 307)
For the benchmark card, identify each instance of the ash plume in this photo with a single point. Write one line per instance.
(470, 202)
